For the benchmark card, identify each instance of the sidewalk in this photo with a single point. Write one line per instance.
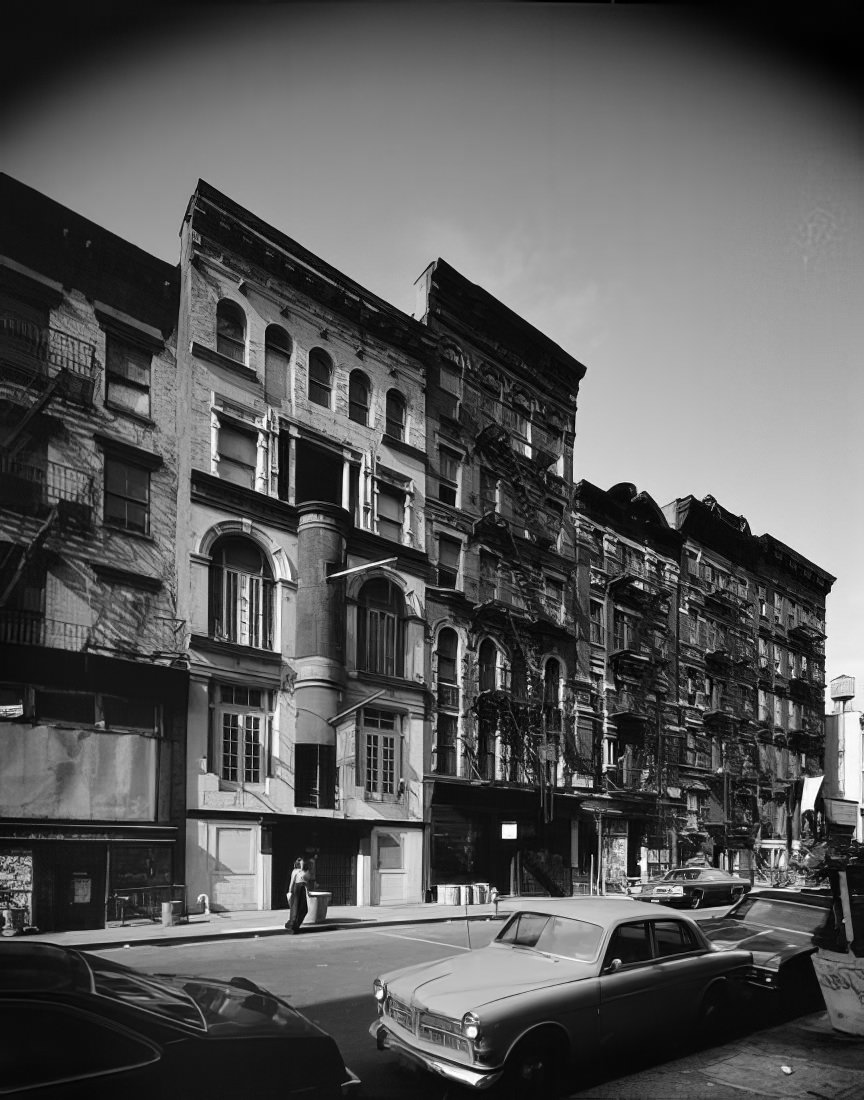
(268, 922)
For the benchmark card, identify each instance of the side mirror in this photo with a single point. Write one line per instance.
(616, 964)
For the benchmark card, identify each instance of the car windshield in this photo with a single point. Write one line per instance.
(563, 937)
(683, 876)
(782, 914)
(143, 992)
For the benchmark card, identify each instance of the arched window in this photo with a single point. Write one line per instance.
(231, 330)
(241, 593)
(488, 662)
(395, 415)
(448, 681)
(320, 377)
(277, 351)
(552, 696)
(380, 630)
(358, 397)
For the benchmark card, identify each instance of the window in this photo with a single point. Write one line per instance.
(446, 732)
(277, 360)
(516, 419)
(630, 943)
(449, 551)
(554, 597)
(382, 745)
(242, 725)
(127, 496)
(395, 415)
(389, 852)
(488, 491)
(358, 397)
(624, 630)
(231, 330)
(66, 706)
(238, 453)
(597, 633)
(448, 475)
(380, 611)
(127, 375)
(552, 696)
(488, 579)
(320, 377)
(450, 378)
(673, 937)
(447, 655)
(120, 713)
(488, 665)
(391, 512)
(241, 593)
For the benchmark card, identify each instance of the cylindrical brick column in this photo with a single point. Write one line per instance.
(320, 647)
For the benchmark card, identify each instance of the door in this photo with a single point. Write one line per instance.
(389, 874)
(628, 999)
(77, 886)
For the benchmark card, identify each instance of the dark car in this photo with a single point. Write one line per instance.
(77, 1026)
(692, 888)
(781, 929)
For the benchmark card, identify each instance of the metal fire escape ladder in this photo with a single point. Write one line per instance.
(14, 441)
(30, 549)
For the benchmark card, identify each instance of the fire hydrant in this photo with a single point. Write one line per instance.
(493, 894)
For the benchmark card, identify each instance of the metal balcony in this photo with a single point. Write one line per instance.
(34, 356)
(28, 628)
(35, 490)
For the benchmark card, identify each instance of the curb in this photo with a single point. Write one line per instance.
(168, 940)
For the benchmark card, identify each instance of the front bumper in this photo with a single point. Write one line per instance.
(462, 1075)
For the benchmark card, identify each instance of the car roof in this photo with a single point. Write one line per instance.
(597, 909)
(42, 967)
(793, 897)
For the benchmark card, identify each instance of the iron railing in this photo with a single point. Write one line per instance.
(29, 628)
(50, 483)
(27, 342)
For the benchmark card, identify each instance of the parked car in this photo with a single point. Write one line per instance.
(77, 1025)
(692, 888)
(780, 928)
(560, 981)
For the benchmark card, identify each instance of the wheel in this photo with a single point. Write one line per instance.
(714, 1018)
(696, 899)
(534, 1070)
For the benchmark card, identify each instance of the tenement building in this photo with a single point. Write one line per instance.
(286, 572)
(92, 673)
(303, 568)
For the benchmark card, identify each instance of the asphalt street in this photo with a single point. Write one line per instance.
(328, 975)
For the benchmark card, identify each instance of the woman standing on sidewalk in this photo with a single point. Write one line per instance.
(298, 899)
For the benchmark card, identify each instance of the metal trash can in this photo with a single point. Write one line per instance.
(172, 912)
(481, 893)
(466, 894)
(318, 902)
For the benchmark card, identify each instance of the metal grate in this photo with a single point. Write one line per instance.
(336, 872)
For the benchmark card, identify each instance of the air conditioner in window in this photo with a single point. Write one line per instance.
(701, 699)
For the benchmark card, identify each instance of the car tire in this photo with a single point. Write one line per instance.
(534, 1070)
(696, 899)
(714, 1018)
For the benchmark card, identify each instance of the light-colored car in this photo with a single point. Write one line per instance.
(562, 980)
(692, 888)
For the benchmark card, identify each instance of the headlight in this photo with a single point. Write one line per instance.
(471, 1026)
(677, 889)
(379, 990)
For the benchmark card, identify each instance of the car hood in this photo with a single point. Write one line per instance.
(457, 984)
(769, 946)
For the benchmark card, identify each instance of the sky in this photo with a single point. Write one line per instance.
(673, 194)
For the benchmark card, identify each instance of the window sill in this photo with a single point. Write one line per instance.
(117, 530)
(146, 421)
(217, 645)
(220, 360)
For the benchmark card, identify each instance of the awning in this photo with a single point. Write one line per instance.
(812, 787)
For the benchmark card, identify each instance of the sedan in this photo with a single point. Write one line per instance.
(561, 980)
(692, 888)
(79, 1026)
(781, 929)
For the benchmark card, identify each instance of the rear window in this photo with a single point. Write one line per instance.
(563, 937)
(782, 914)
(146, 993)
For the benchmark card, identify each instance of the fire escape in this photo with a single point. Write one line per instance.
(533, 738)
(638, 659)
(52, 501)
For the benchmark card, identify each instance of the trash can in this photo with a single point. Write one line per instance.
(451, 894)
(318, 902)
(172, 911)
(481, 893)
(466, 894)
